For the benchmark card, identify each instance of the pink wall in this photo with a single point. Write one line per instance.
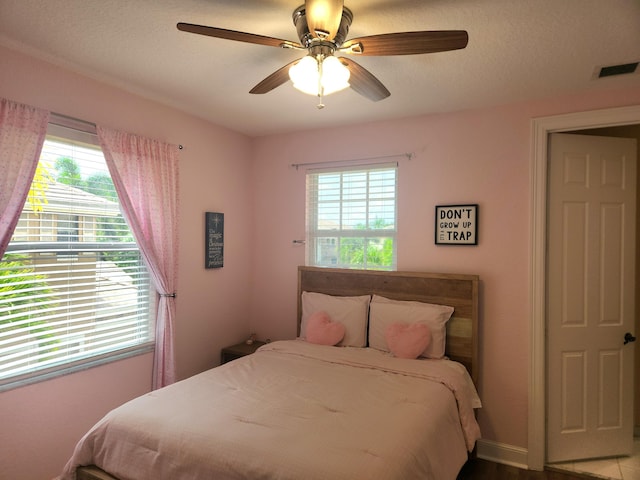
(478, 156)
(40, 424)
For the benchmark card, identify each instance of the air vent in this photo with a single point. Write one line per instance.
(617, 69)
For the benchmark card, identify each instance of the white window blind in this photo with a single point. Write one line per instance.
(351, 217)
(73, 287)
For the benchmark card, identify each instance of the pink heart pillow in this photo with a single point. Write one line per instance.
(407, 340)
(321, 330)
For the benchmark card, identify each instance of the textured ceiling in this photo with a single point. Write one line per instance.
(518, 50)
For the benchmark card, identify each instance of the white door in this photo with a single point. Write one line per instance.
(590, 296)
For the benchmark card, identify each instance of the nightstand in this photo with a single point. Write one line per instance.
(240, 350)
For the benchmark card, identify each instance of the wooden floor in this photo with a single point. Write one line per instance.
(478, 469)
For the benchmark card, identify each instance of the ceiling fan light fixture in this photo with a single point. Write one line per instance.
(323, 17)
(319, 76)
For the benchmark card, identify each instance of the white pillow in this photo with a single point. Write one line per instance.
(385, 311)
(352, 312)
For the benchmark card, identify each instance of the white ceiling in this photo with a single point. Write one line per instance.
(518, 50)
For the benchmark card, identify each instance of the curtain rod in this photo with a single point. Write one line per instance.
(408, 156)
(77, 124)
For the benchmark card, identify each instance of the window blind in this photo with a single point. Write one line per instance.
(73, 285)
(351, 216)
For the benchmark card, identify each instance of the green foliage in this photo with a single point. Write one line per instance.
(386, 255)
(68, 172)
(378, 253)
(352, 252)
(18, 281)
(101, 184)
(372, 253)
(377, 224)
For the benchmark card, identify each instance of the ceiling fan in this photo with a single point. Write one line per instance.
(322, 27)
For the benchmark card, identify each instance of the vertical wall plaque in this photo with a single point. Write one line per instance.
(214, 240)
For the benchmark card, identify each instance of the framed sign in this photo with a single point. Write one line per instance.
(214, 240)
(457, 224)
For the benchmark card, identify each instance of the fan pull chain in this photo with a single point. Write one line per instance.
(320, 105)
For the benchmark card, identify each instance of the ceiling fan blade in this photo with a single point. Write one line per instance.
(237, 36)
(323, 17)
(407, 43)
(364, 82)
(274, 80)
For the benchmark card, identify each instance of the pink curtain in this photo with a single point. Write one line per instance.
(22, 132)
(145, 174)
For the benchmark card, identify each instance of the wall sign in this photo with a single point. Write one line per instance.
(214, 240)
(457, 224)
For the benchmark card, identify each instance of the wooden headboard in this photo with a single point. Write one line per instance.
(458, 291)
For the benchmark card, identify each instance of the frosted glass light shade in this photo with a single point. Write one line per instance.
(305, 73)
(335, 76)
(323, 17)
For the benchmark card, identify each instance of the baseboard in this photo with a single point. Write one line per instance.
(502, 453)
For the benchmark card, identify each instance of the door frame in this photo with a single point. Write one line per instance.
(540, 129)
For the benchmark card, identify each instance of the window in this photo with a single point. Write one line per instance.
(67, 228)
(351, 217)
(73, 287)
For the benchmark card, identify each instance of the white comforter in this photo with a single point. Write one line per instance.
(295, 411)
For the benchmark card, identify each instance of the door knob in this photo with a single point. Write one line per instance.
(628, 338)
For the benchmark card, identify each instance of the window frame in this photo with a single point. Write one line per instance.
(312, 216)
(75, 131)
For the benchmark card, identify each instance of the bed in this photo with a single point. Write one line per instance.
(305, 408)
